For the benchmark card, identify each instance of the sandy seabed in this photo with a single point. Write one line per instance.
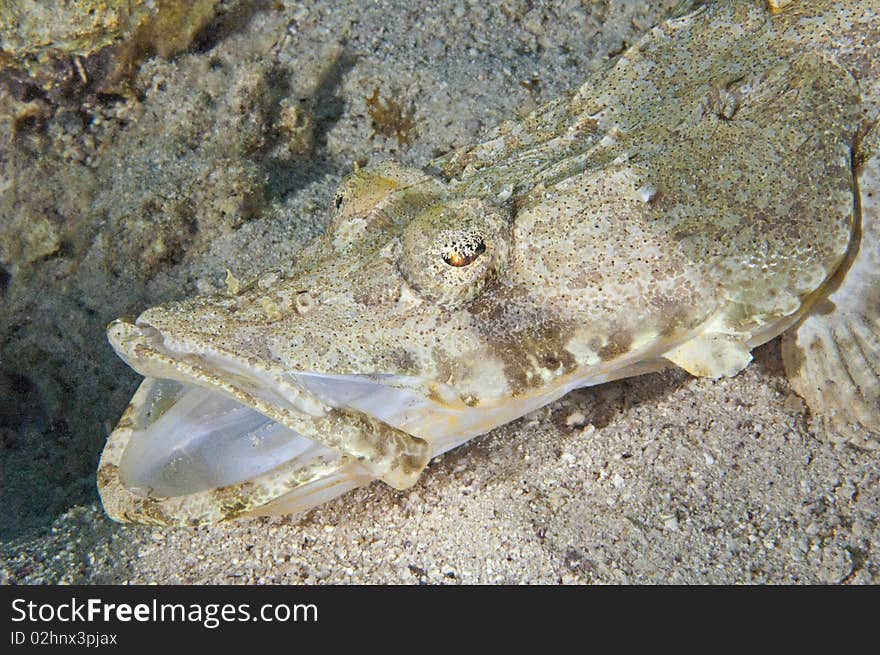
(659, 479)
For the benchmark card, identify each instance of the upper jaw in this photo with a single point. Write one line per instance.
(398, 400)
(152, 354)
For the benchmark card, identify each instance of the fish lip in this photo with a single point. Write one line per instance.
(152, 353)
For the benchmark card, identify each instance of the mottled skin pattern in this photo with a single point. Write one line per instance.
(687, 203)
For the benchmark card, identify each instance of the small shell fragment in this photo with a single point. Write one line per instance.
(271, 309)
(304, 302)
(233, 284)
(777, 6)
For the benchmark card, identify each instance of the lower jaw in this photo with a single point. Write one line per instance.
(183, 455)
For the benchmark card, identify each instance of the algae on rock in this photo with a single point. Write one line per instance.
(63, 48)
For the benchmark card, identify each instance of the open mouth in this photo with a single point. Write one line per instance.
(203, 421)
(190, 438)
(209, 437)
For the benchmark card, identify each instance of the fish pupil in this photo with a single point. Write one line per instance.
(464, 254)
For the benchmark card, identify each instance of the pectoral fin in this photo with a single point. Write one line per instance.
(832, 356)
(711, 355)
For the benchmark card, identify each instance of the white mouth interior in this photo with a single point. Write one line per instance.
(189, 439)
(389, 398)
(194, 439)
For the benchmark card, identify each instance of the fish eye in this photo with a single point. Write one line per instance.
(464, 254)
(453, 250)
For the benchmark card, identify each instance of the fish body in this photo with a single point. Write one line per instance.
(714, 186)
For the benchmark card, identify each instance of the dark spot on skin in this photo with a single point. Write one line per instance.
(675, 312)
(824, 307)
(658, 199)
(550, 362)
(106, 474)
(500, 315)
(403, 361)
(589, 126)
(412, 463)
(151, 509)
(544, 343)
(490, 309)
(618, 344)
(232, 500)
(234, 509)
(539, 341)
(681, 236)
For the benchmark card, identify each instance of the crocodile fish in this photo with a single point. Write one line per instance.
(714, 186)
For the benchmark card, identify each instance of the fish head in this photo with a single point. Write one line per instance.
(422, 318)
(304, 383)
